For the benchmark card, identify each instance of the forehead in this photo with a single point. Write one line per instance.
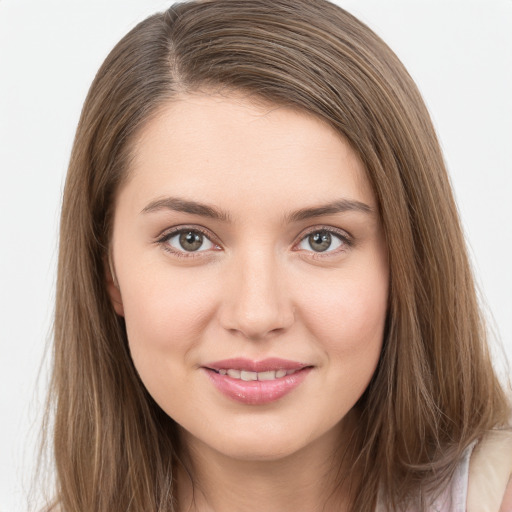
(224, 148)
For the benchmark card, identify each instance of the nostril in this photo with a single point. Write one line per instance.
(256, 302)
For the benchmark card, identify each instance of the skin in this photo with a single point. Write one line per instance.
(506, 505)
(257, 289)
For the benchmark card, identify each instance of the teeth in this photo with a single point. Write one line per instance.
(248, 375)
(270, 375)
(252, 376)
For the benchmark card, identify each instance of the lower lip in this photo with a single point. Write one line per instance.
(257, 392)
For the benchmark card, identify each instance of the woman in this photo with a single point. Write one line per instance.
(264, 300)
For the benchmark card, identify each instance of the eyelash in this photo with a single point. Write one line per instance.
(163, 239)
(345, 239)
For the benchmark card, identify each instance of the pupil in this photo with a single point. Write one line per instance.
(320, 241)
(191, 241)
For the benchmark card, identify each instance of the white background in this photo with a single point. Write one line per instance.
(458, 51)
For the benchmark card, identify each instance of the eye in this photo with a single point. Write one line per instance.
(323, 240)
(187, 240)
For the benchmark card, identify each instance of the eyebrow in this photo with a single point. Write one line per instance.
(195, 208)
(183, 205)
(340, 206)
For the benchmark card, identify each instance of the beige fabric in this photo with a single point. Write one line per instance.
(490, 469)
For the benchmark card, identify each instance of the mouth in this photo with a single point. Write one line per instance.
(256, 382)
(249, 376)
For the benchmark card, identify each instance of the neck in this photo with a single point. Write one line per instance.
(318, 477)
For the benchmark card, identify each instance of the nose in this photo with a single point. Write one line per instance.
(257, 302)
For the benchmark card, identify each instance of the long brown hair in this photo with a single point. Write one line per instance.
(434, 391)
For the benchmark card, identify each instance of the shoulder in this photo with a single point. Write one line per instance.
(490, 470)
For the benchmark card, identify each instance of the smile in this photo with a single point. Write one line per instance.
(251, 376)
(256, 382)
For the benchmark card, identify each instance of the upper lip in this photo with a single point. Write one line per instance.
(265, 365)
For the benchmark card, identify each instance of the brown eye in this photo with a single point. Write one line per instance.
(322, 241)
(189, 241)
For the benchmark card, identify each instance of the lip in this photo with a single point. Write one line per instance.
(265, 365)
(256, 392)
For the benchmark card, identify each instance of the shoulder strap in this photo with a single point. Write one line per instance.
(490, 469)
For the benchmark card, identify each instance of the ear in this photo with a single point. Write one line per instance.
(113, 286)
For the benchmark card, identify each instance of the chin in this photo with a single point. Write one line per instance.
(262, 443)
(267, 451)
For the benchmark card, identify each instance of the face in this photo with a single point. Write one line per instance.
(252, 274)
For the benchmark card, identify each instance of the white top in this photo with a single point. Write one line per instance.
(479, 486)
(455, 495)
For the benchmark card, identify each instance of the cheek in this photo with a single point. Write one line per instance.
(348, 317)
(165, 312)
(166, 316)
